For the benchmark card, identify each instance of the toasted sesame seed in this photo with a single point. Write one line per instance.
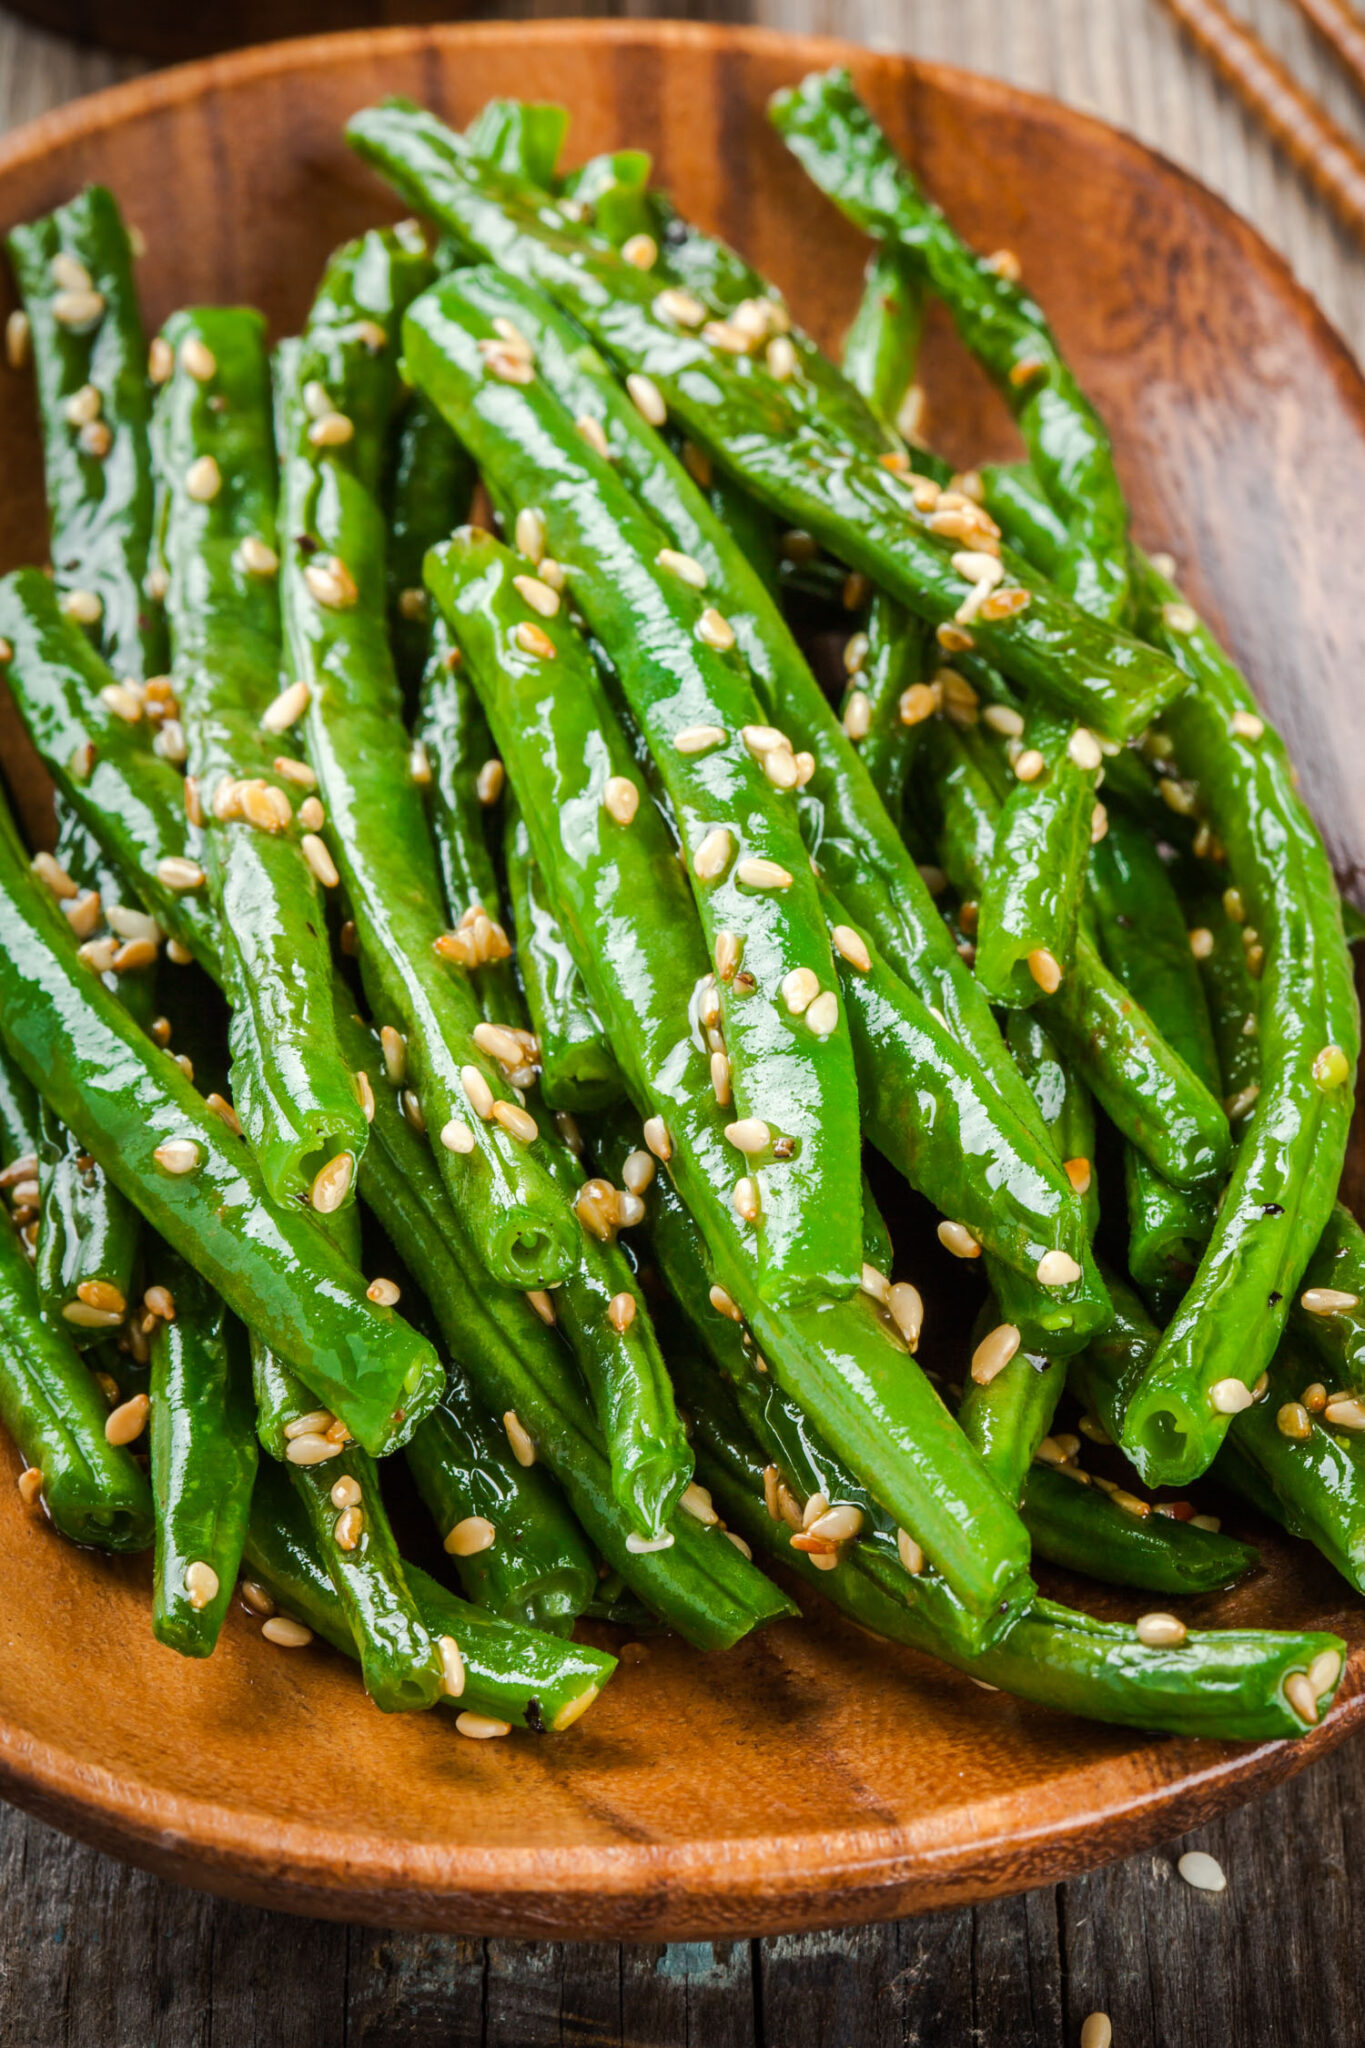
(1029, 764)
(124, 700)
(715, 629)
(1294, 1421)
(457, 1136)
(53, 875)
(1004, 719)
(30, 1485)
(197, 359)
(516, 1121)
(203, 480)
(638, 1171)
(849, 946)
(1160, 1631)
(749, 1135)
(256, 557)
(1084, 749)
(288, 708)
(394, 1048)
(994, 1353)
(1201, 942)
(1097, 2031)
(957, 1239)
(332, 1184)
(1324, 1671)
(285, 1633)
(621, 1312)
(330, 583)
(177, 953)
(1245, 725)
(86, 1316)
(532, 639)
(264, 806)
(320, 862)
(383, 1292)
(781, 357)
(346, 1492)
(799, 989)
(647, 398)
(1328, 1301)
(201, 1584)
(1045, 970)
(1177, 796)
(875, 1284)
(77, 308)
(1243, 1102)
(1331, 1068)
(83, 606)
(857, 719)
(508, 364)
(1230, 1396)
(125, 1424)
(18, 339)
(641, 250)
(311, 1448)
(331, 430)
(918, 702)
(1057, 1269)
(174, 871)
(695, 739)
(82, 406)
(593, 433)
(621, 798)
(520, 1439)
(481, 1727)
(762, 874)
(348, 1528)
(690, 571)
(724, 1304)
(1344, 1412)
(657, 1138)
(907, 1311)
(823, 1014)
(713, 856)
(682, 308)
(530, 533)
(720, 1078)
(477, 1092)
(745, 1199)
(177, 1155)
(642, 1546)
(1298, 1690)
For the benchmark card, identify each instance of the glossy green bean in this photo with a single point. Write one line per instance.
(625, 910)
(126, 1101)
(293, 1092)
(1288, 1164)
(1007, 1414)
(1333, 1327)
(535, 1567)
(514, 1674)
(332, 592)
(86, 1240)
(53, 1409)
(203, 1449)
(1064, 1102)
(754, 883)
(427, 494)
(1232, 995)
(1031, 899)
(748, 420)
(1314, 1484)
(578, 1069)
(400, 1661)
(1082, 1529)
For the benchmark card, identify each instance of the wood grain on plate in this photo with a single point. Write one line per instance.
(809, 1777)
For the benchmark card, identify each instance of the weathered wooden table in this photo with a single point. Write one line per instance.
(94, 1953)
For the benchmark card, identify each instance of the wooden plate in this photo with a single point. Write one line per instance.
(809, 1777)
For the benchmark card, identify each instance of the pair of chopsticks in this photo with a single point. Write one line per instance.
(1332, 163)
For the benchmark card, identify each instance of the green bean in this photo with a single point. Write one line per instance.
(87, 1242)
(203, 1459)
(753, 886)
(514, 1674)
(1310, 1477)
(882, 344)
(53, 1409)
(578, 1069)
(400, 1662)
(134, 1110)
(294, 1094)
(748, 420)
(534, 1566)
(333, 601)
(1232, 995)
(1006, 1411)
(1031, 898)
(1065, 1104)
(523, 137)
(1083, 1529)
(1289, 1159)
(625, 910)
(428, 492)
(1328, 1317)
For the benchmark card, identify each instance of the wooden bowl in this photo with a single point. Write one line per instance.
(810, 1776)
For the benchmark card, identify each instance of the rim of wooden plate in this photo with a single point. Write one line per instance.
(1101, 1810)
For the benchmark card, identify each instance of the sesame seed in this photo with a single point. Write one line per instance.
(311, 814)
(690, 571)
(720, 1078)
(1202, 1871)
(177, 1155)
(384, 1292)
(83, 606)
(201, 1584)
(1097, 2031)
(538, 595)
(657, 1138)
(371, 335)
(642, 1546)
(516, 1121)
(749, 1135)
(781, 357)
(197, 359)
(331, 430)
(799, 990)
(855, 654)
(30, 1485)
(530, 533)
(762, 874)
(531, 639)
(18, 339)
(330, 583)
(621, 798)
(695, 739)
(159, 1301)
(332, 1184)
(82, 407)
(1029, 764)
(1004, 719)
(994, 1353)
(621, 1312)
(288, 708)
(641, 250)
(53, 875)
(1343, 1412)
(1298, 1690)
(724, 1304)
(907, 1311)
(593, 433)
(203, 480)
(1084, 749)
(712, 857)
(647, 398)
(1324, 1671)
(85, 1316)
(520, 1439)
(1201, 942)
(481, 1727)
(78, 308)
(95, 440)
(1294, 1421)
(857, 719)
(125, 1424)
(478, 1094)
(911, 1555)
(823, 1014)
(1230, 1396)
(681, 308)
(729, 949)
(918, 702)
(1245, 725)
(264, 806)
(124, 700)
(849, 946)
(348, 1527)
(1045, 969)
(1239, 1105)
(745, 1200)
(876, 1284)
(715, 629)
(311, 1448)
(319, 860)
(346, 1492)
(1057, 1269)
(507, 365)
(1160, 1631)
(285, 1633)
(470, 1536)
(957, 1239)
(1177, 796)
(1331, 1068)
(1328, 1301)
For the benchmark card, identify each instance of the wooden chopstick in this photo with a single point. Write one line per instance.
(1337, 22)
(1328, 158)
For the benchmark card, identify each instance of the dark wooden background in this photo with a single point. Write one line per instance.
(95, 1955)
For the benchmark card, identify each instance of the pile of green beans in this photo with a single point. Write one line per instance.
(480, 956)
